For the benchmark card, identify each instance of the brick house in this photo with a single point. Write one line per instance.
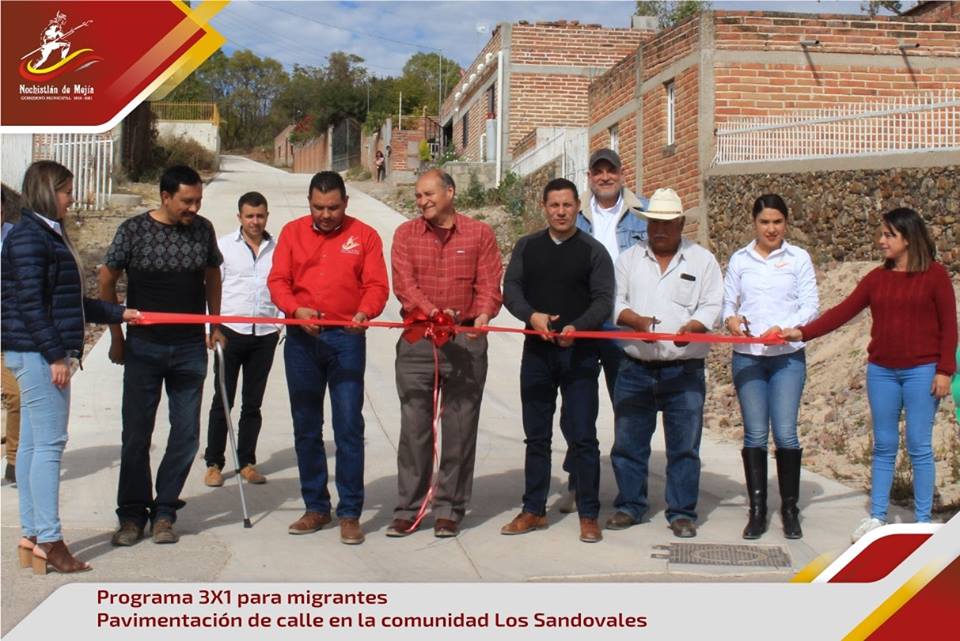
(664, 103)
(533, 76)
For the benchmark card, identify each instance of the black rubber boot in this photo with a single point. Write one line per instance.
(788, 474)
(755, 470)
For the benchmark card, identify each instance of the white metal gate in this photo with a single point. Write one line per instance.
(89, 157)
(927, 121)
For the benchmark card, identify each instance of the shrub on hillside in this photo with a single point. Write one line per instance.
(357, 173)
(184, 151)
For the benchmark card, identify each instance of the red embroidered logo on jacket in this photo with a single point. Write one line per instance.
(350, 246)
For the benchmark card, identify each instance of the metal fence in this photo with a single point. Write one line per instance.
(188, 111)
(927, 121)
(345, 145)
(89, 157)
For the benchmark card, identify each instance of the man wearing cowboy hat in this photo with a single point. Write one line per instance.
(665, 284)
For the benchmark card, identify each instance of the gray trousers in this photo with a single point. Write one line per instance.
(463, 372)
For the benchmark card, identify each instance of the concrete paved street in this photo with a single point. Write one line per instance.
(215, 546)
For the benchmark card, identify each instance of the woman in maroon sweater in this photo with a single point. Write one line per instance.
(911, 354)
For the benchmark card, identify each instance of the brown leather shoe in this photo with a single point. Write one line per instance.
(399, 528)
(523, 523)
(590, 530)
(163, 532)
(683, 528)
(213, 477)
(620, 521)
(350, 532)
(251, 475)
(309, 523)
(445, 528)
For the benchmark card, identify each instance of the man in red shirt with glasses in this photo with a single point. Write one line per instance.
(328, 265)
(442, 261)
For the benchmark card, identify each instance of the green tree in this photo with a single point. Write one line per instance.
(244, 86)
(423, 79)
(873, 7)
(326, 94)
(671, 13)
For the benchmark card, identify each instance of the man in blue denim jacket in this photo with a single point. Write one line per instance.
(612, 216)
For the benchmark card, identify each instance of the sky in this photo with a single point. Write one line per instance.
(386, 33)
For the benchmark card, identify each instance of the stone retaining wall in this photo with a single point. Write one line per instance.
(835, 214)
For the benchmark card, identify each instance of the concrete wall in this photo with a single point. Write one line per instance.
(205, 133)
(283, 148)
(835, 215)
(17, 153)
(312, 156)
(461, 173)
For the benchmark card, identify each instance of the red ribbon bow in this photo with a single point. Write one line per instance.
(439, 327)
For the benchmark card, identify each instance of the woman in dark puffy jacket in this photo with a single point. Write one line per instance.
(43, 315)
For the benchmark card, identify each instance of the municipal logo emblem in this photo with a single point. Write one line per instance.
(350, 246)
(56, 54)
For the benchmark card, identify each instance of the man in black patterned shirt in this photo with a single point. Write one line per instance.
(172, 262)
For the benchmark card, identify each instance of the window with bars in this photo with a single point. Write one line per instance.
(670, 88)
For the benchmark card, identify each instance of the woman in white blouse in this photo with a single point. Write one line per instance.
(770, 284)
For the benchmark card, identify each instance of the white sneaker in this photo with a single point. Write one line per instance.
(866, 525)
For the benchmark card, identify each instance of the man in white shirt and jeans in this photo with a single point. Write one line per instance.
(247, 259)
(672, 285)
(614, 217)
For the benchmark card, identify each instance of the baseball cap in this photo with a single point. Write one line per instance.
(605, 154)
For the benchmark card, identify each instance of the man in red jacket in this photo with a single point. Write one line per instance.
(328, 265)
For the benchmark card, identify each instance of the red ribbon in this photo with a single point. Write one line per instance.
(439, 328)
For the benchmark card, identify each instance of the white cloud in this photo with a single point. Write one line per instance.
(385, 34)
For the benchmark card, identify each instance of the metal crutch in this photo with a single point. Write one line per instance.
(233, 440)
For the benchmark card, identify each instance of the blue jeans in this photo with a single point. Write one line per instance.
(769, 390)
(148, 368)
(574, 370)
(335, 358)
(642, 390)
(610, 354)
(889, 392)
(44, 409)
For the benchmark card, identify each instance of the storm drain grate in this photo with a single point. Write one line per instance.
(721, 554)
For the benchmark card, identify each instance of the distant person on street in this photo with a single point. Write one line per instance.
(560, 279)
(442, 261)
(381, 165)
(172, 262)
(911, 355)
(613, 216)
(247, 259)
(328, 265)
(672, 285)
(770, 284)
(43, 314)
